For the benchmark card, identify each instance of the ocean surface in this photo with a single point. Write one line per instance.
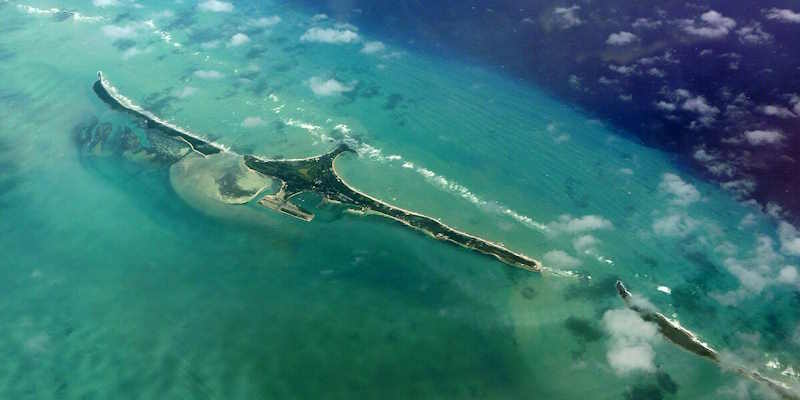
(130, 281)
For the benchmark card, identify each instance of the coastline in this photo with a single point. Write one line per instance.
(326, 181)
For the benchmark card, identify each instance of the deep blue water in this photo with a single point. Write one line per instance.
(128, 277)
(737, 72)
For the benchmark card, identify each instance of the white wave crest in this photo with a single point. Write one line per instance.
(75, 16)
(373, 153)
(37, 11)
(128, 103)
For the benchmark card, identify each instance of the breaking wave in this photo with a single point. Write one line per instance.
(365, 150)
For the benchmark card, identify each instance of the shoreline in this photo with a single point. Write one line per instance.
(538, 267)
(318, 174)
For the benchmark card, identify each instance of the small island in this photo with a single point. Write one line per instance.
(314, 174)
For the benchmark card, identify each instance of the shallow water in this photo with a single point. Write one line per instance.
(119, 282)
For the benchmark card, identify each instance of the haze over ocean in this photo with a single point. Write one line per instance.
(123, 280)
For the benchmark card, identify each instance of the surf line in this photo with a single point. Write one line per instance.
(318, 174)
(686, 339)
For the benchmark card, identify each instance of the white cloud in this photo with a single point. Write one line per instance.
(185, 92)
(761, 137)
(238, 40)
(702, 155)
(748, 221)
(252, 122)
(330, 87)
(621, 38)
(373, 47)
(585, 244)
(665, 106)
(38, 343)
(164, 14)
(329, 35)
(208, 74)
(750, 277)
(684, 193)
(345, 25)
(623, 69)
(788, 275)
(265, 22)
(605, 81)
(711, 25)
(764, 267)
(674, 225)
(741, 188)
(753, 34)
(560, 259)
(133, 52)
(119, 32)
(777, 111)
(567, 17)
(216, 6)
(667, 58)
(630, 348)
(682, 94)
(774, 210)
(790, 239)
(566, 223)
(658, 73)
(319, 17)
(105, 3)
(700, 106)
(782, 15)
(626, 358)
(646, 23)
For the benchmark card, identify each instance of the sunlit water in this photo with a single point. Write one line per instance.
(118, 285)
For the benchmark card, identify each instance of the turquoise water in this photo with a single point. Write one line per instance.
(121, 281)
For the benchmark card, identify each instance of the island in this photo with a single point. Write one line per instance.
(689, 341)
(314, 174)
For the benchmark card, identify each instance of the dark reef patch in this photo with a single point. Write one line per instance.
(256, 52)
(229, 187)
(9, 178)
(666, 382)
(392, 101)
(583, 328)
(160, 102)
(183, 19)
(691, 298)
(6, 54)
(579, 199)
(644, 392)
(646, 259)
(528, 293)
(285, 66)
(122, 17)
(123, 44)
(592, 289)
(278, 40)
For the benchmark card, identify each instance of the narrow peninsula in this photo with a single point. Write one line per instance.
(686, 339)
(315, 174)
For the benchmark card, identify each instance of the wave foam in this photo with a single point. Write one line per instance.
(376, 154)
(128, 103)
(75, 16)
(37, 11)
(165, 36)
